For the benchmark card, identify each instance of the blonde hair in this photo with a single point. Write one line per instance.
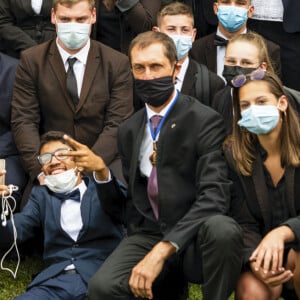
(258, 41)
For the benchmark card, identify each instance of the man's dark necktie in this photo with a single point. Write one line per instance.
(71, 81)
(219, 41)
(74, 195)
(152, 188)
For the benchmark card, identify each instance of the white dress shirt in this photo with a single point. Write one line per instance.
(37, 6)
(147, 143)
(181, 74)
(70, 216)
(80, 64)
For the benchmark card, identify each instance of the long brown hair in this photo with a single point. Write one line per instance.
(242, 142)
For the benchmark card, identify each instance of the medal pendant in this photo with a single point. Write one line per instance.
(152, 157)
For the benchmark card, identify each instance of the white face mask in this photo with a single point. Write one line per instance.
(73, 35)
(63, 182)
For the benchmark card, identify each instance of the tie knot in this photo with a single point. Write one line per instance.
(155, 120)
(71, 61)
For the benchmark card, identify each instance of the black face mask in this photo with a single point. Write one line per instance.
(230, 72)
(154, 92)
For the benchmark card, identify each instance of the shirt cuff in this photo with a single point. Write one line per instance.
(175, 245)
(100, 181)
(39, 175)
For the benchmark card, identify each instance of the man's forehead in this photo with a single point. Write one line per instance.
(175, 20)
(153, 52)
(52, 146)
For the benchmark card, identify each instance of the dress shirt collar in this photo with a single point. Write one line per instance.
(181, 74)
(223, 36)
(81, 55)
(151, 113)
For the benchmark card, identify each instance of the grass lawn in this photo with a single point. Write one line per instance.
(10, 287)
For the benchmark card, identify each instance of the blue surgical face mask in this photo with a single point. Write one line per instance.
(259, 119)
(232, 17)
(183, 44)
(73, 35)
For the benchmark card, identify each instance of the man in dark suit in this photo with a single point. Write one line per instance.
(88, 97)
(210, 50)
(8, 151)
(281, 25)
(178, 189)
(80, 231)
(176, 20)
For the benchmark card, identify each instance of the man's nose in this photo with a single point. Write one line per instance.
(147, 74)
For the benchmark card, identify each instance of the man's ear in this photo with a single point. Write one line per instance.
(250, 11)
(177, 69)
(215, 7)
(53, 21)
(155, 29)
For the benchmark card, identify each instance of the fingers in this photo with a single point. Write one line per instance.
(279, 278)
(3, 190)
(76, 145)
(140, 285)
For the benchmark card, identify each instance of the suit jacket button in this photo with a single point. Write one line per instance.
(163, 226)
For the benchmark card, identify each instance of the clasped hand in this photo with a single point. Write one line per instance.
(266, 260)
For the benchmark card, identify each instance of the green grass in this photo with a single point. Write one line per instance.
(10, 287)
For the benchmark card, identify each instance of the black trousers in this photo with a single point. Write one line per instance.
(214, 260)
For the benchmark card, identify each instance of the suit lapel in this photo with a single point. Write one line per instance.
(57, 213)
(46, 7)
(91, 68)
(211, 53)
(139, 134)
(85, 208)
(189, 79)
(59, 71)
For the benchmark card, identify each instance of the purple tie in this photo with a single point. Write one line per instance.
(152, 188)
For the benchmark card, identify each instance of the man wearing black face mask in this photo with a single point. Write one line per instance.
(178, 190)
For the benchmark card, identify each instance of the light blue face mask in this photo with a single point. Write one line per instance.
(183, 44)
(232, 17)
(73, 35)
(259, 119)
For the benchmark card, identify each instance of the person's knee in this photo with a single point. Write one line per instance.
(224, 232)
(249, 287)
(99, 287)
